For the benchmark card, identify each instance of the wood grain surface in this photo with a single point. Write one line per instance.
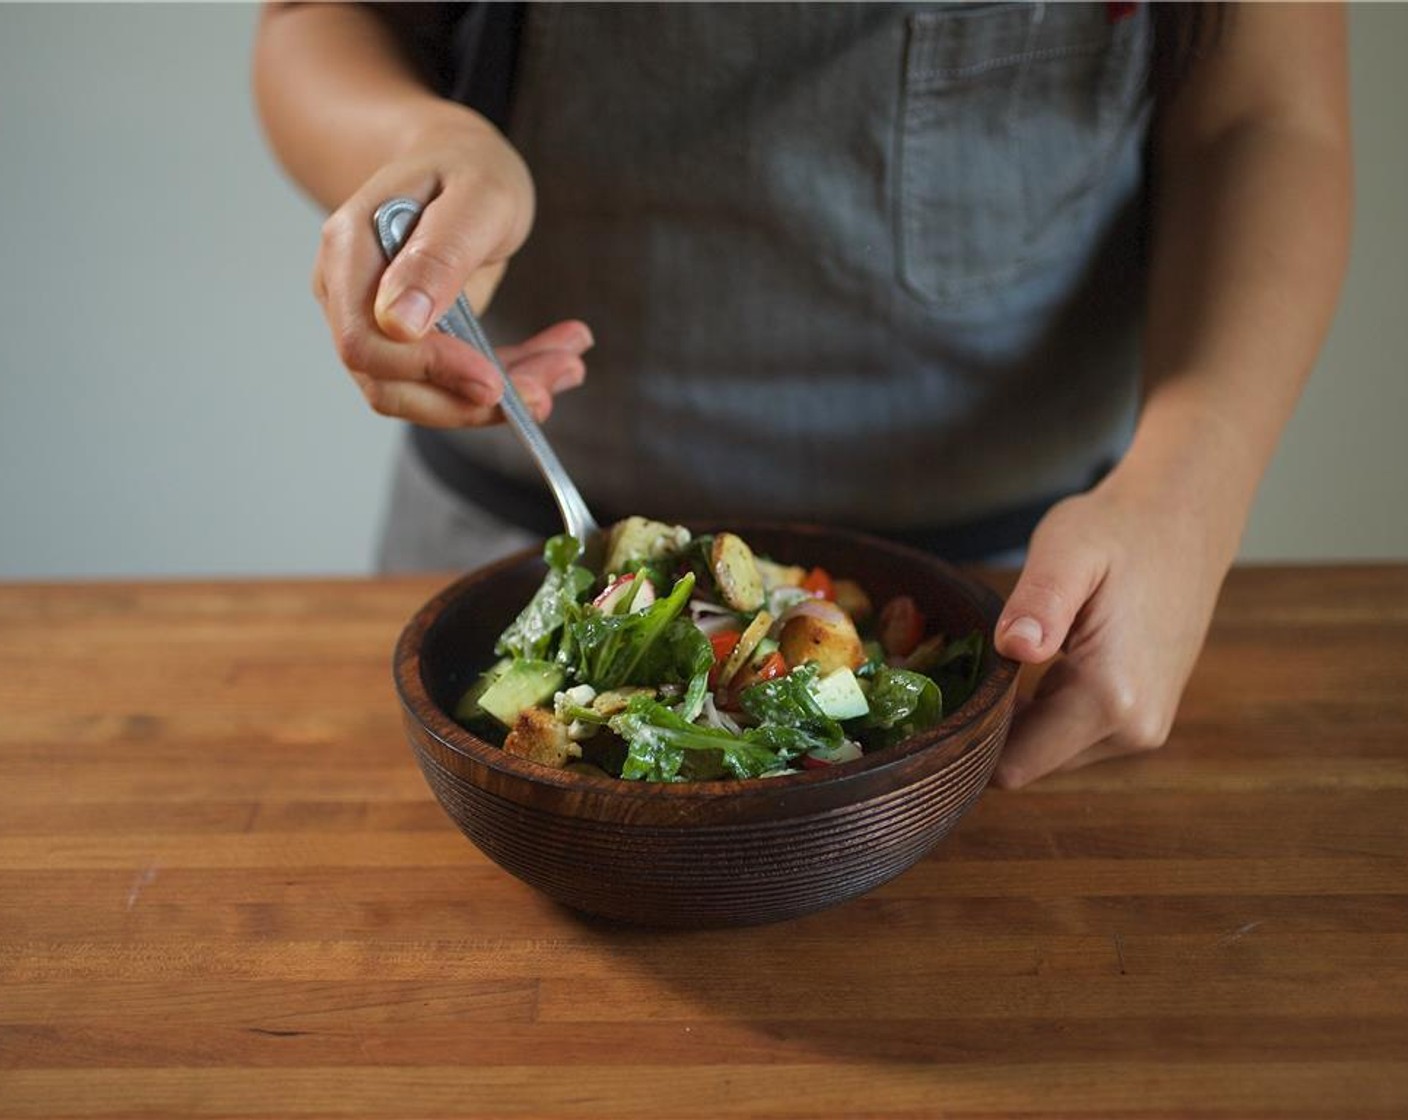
(225, 891)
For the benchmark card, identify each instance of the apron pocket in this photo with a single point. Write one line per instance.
(1010, 114)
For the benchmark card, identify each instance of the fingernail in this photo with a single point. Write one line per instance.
(588, 339)
(1026, 628)
(412, 310)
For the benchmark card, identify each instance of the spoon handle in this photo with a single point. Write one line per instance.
(394, 221)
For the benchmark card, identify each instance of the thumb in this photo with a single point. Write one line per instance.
(1058, 579)
(430, 271)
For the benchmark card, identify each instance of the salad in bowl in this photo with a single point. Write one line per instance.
(692, 658)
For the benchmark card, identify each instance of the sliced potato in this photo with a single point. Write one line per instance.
(538, 736)
(614, 702)
(736, 573)
(748, 641)
(639, 538)
(830, 641)
(779, 575)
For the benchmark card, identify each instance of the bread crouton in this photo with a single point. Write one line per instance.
(538, 736)
(831, 642)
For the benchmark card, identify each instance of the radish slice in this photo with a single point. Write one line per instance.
(702, 607)
(817, 608)
(644, 597)
(712, 624)
(619, 590)
(820, 609)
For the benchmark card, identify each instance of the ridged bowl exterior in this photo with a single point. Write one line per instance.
(711, 853)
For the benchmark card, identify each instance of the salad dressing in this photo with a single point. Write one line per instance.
(691, 659)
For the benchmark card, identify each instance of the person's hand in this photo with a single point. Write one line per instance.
(477, 200)
(1118, 588)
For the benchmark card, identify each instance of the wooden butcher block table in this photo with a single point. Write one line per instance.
(226, 891)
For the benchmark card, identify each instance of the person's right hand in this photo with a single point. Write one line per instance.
(477, 208)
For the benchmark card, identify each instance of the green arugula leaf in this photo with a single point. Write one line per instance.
(532, 633)
(659, 741)
(683, 655)
(787, 701)
(902, 703)
(619, 649)
(957, 671)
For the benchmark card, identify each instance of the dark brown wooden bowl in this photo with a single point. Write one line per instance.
(706, 853)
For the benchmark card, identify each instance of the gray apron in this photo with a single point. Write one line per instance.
(872, 265)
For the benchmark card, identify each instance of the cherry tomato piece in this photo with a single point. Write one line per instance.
(901, 626)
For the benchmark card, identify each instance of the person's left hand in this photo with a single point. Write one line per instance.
(1119, 588)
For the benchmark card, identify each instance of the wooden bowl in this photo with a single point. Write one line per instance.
(708, 853)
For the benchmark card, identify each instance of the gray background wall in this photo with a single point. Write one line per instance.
(169, 401)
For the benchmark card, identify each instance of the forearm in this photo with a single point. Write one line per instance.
(349, 116)
(1251, 239)
(1251, 234)
(337, 98)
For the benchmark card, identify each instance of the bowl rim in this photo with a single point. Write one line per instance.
(441, 726)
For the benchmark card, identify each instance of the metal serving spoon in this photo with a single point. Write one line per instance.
(394, 220)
